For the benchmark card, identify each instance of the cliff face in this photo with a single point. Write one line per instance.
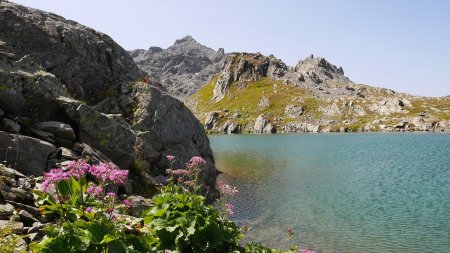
(260, 94)
(67, 91)
(182, 68)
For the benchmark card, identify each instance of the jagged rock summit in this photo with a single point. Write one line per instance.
(69, 92)
(182, 68)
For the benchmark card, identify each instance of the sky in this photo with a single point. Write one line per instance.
(403, 45)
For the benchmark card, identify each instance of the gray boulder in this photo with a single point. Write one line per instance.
(11, 126)
(293, 111)
(211, 120)
(58, 129)
(263, 103)
(262, 126)
(102, 132)
(28, 154)
(164, 127)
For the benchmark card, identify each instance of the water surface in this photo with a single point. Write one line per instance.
(341, 192)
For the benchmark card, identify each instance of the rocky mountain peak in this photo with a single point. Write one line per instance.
(181, 68)
(186, 39)
(320, 70)
(245, 67)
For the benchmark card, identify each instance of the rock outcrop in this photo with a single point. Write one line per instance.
(182, 68)
(67, 91)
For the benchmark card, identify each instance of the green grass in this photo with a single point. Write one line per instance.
(245, 100)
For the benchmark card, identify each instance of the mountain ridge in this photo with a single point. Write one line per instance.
(255, 93)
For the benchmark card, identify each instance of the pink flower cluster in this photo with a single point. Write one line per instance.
(171, 158)
(178, 172)
(195, 162)
(226, 189)
(127, 203)
(77, 168)
(54, 176)
(93, 190)
(108, 171)
(229, 209)
(306, 250)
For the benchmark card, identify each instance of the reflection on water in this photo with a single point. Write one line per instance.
(341, 192)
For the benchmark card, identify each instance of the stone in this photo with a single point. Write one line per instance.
(14, 226)
(264, 103)
(139, 204)
(10, 173)
(318, 70)
(6, 210)
(58, 129)
(230, 127)
(388, 106)
(27, 219)
(69, 154)
(92, 155)
(211, 120)
(11, 126)
(46, 136)
(295, 127)
(16, 194)
(293, 111)
(259, 125)
(165, 126)
(30, 209)
(101, 132)
(28, 154)
(269, 129)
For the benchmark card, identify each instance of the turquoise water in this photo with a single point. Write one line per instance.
(341, 192)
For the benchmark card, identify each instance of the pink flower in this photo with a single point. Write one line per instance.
(127, 203)
(77, 168)
(229, 209)
(101, 171)
(290, 231)
(306, 250)
(111, 194)
(108, 171)
(190, 183)
(178, 172)
(91, 189)
(171, 158)
(88, 209)
(118, 176)
(54, 176)
(196, 161)
(226, 189)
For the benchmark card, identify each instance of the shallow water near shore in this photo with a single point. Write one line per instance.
(372, 192)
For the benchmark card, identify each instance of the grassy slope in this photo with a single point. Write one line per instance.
(244, 98)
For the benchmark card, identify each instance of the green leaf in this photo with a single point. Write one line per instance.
(109, 238)
(117, 247)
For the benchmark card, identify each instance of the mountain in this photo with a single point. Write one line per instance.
(182, 68)
(261, 94)
(68, 92)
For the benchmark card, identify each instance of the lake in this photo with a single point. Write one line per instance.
(368, 192)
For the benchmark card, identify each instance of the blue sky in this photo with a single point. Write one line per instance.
(402, 45)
